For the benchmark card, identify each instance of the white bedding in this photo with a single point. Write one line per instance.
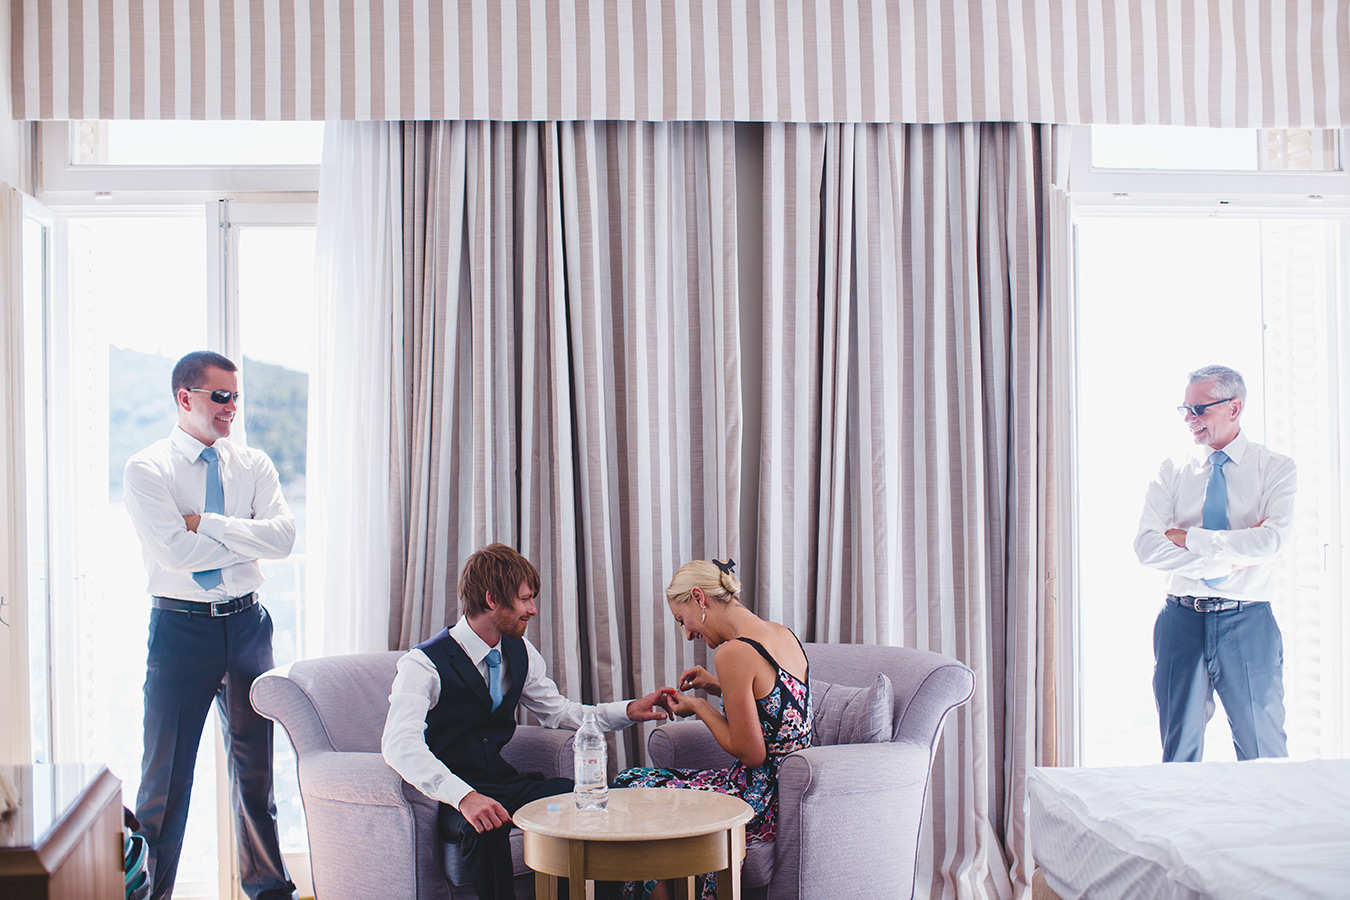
(1259, 829)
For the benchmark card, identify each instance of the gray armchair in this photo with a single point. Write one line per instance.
(848, 814)
(370, 833)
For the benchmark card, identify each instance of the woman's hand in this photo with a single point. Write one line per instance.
(700, 679)
(681, 705)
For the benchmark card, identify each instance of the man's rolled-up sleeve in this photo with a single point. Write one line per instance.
(403, 744)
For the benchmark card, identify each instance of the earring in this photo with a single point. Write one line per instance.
(705, 615)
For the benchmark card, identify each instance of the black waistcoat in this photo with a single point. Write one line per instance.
(462, 730)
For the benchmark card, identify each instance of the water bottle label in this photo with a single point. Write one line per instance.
(590, 768)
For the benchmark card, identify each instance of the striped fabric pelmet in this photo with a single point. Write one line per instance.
(1218, 63)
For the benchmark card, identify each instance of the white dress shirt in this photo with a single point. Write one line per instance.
(1261, 486)
(167, 481)
(417, 688)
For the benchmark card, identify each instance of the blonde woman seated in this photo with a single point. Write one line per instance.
(766, 702)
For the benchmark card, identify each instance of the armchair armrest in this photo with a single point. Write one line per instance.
(686, 745)
(839, 770)
(354, 800)
(931, 686)
(366, 779)
(360, 778)
(535, 748)
(274, 695)
(833, 800)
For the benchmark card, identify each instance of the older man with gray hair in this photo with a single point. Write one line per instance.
(1214, 524)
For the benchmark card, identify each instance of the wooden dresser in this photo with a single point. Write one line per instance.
(64, 841)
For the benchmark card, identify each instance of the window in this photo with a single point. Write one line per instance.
(139, 284)
(1234, 270)
(1178, 148)
(275, 299)
(182, 143)
(172, 163)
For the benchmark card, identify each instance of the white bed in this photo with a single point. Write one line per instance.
(1260, 829)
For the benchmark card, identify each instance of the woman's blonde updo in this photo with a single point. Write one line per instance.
(715, 578)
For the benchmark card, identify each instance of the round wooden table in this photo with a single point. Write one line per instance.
(645, 833)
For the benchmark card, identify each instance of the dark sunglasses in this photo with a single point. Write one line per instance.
(221, 397)
(1198, 409)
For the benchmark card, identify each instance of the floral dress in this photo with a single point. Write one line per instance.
(785, 719)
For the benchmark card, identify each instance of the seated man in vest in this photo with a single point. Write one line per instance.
(453, 707)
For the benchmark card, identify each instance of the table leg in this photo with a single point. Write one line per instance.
(545, 886)
(686, 888)
(576, 865)
(728, 884)
(729, 879)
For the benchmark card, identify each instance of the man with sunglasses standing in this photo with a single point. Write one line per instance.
(206, 511)
(1214, 524)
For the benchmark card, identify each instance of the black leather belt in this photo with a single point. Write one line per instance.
(196, 608)
(1206, 604)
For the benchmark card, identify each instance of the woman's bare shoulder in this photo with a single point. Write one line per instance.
(786, 649)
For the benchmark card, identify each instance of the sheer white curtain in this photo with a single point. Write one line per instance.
(901, 491)
(359, 286)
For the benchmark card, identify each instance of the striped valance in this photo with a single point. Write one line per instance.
(1238, 63)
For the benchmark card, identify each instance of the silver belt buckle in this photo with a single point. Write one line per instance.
(222, 608)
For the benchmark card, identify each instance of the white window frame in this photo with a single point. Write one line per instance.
(63, 183)
(223, 314)
(16, 208)
(223, 262)
(1103, 192)
(1221, 193)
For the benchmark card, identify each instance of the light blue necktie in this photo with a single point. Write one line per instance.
(494, 661)
(215, 503)
(1215, 512)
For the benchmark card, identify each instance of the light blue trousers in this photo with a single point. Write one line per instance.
(1238, 653)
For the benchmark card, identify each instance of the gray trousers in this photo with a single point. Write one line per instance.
(191, 661)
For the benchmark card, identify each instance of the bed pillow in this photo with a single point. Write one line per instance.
(843, 714)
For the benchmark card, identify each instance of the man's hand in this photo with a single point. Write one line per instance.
(1177, 536)
(650, 708)
(483, 813)
(191, 522)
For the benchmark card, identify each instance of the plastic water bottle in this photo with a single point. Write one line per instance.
(591, 769)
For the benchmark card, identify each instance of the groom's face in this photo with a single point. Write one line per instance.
(513, 617)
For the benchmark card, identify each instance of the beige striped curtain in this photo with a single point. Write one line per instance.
(900, 485)
(570, 363)
(1218, 63)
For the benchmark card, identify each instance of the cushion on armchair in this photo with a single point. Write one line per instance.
(852, 715)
